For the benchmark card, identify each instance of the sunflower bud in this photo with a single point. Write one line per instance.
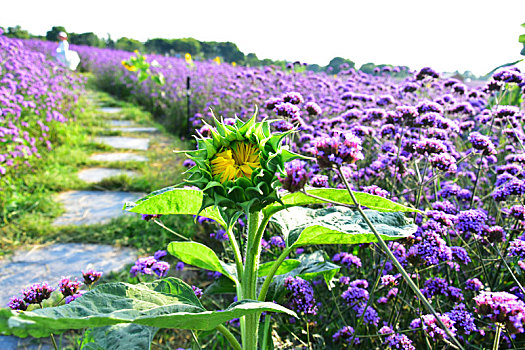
(236, 166)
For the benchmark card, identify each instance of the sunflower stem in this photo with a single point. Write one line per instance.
(229, 336)
(249, 281)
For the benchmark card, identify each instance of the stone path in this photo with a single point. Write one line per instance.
(118, 157)
(122, 142)
(93, 207)
(94, 175)
(110, 110)
(49, 263)
(136, 129)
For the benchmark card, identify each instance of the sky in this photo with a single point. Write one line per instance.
(446, 35)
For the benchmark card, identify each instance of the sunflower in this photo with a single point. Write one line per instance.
(236, 167)
(129, 67)
(238, 161)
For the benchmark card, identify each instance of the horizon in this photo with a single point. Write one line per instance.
(416, 35)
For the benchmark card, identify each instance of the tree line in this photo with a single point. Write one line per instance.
(227, 51)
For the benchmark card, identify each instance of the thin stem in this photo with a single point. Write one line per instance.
(267, 319)
(229, 336)
(195, 339)
(273, 270)
(51, 335)
(161, 224)
(509, 269)
(396, 263)
(326, 200)
(370, 297)
(495, 346)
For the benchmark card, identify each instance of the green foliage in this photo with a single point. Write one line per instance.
(368, 68)
(285, 267)
(17, 32)
(199, 255)
(167, 303)
(127, 44)
(52, 35)
(88, 39)
(172, 200)
(124, 336)
(339, 225)
(338, 195)
(510, 96)
(336, 63)
(139, 64)
(310, 267)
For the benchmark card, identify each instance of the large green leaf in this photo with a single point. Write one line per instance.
(310, 267)
(339, 225)
(172, 200)
(168, 303)
(285, 267)
(123, 336)
(222, 285)
(338, 195)
(314, 265)
(199, 255)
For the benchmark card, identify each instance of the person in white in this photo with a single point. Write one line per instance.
(65, 56)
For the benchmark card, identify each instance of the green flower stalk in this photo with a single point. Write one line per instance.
(236, 168)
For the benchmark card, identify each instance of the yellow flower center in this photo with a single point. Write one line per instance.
(235, 162)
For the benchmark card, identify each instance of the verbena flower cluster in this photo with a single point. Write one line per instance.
(151, 265)
(37, 293)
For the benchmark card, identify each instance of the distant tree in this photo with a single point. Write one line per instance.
(314, 68)
(368, 68)
(53, 33)
(158, 45)
(109, 42)
(17, 32)
(186, 45)
(338, 64)
(128, 44)
(88, 39)
(209, 49)
(252, 60)
(230, 52)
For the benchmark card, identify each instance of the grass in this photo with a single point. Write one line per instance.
(27, 199)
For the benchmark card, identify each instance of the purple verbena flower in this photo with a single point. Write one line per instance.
(91, 276)
(37, 293)
(297, 175)
(68, 287)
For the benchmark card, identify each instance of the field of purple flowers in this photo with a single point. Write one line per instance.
(452, 150)
(35, 95)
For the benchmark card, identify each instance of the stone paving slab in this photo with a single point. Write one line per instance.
(121, 122)
(49, 263)
(93, 207)
(94, 175)
(137, 129)
(14, 343)
(110, 109)
(118, 157)
(124, 142)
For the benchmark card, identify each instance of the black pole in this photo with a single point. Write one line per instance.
(188, 94)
